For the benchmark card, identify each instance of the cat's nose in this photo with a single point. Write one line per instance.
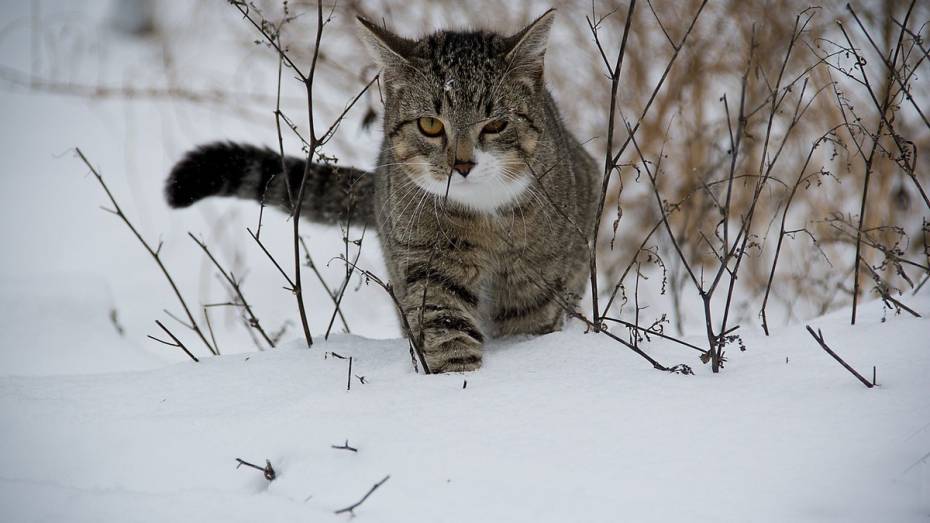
(463, 167)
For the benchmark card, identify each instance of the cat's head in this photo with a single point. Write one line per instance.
(464, 111)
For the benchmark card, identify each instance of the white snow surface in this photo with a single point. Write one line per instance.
(565, 427)
(98, 425)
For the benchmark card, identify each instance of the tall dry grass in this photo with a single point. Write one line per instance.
(689, 125)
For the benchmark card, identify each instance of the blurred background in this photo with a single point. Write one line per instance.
(136, 83)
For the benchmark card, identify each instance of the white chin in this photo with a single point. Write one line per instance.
(485, 189)
(483, 196)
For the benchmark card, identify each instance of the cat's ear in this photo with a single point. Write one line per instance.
(386, 48)
(527, 48)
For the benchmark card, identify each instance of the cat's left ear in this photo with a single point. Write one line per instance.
(527, 48)
(387, 48)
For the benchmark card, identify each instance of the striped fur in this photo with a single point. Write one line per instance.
(331, 194)
(491, 252)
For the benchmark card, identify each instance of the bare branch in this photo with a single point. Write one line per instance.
(818, 337)
(177, 343)
(152, 252)
(267, 470)
(351, 508)
(253, 320)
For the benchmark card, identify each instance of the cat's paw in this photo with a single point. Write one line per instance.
(458, 355)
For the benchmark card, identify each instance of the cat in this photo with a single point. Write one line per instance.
(479, 197)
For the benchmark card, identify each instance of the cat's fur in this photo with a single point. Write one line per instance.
(496, 252)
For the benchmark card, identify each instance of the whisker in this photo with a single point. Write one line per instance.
(401, 163)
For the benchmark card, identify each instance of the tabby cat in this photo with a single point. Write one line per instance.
(479, 194)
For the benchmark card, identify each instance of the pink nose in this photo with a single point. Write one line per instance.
(463, 168)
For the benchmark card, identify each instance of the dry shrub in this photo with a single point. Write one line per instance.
(689, 124)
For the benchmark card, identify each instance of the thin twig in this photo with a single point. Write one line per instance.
(351, 508)
(206, 318)
(868, 174)
(818, 336)
(885, 293)
(609, 163)
(253, 320)
(344, 446)
(155, 253)
(314, 142)
(308, 261)
(345, 284)
(416, 349)
(177, 343)
(655, 333)
(271, 257)
(907, 167)
(267, 470)
(782, 232)
(349, 375)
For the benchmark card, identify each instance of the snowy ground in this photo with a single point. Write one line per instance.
(568, 427)
(102, 425)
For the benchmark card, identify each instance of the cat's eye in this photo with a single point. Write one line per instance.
(430, 126)
(494, 127)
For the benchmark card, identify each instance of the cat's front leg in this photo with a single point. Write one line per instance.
(441, 301)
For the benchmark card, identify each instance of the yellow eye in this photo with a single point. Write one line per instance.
(494, 127)
(430, 126)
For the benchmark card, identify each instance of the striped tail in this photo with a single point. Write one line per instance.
(332, 193)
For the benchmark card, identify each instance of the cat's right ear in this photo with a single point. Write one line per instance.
(385, 47)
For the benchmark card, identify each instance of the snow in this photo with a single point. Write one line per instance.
(569, 426)
(102, 425)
